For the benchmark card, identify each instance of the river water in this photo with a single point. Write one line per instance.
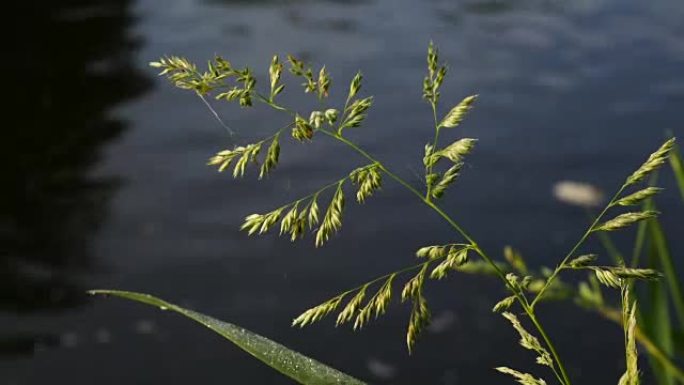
(105, 183)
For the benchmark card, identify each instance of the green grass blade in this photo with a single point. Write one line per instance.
(668, 268)
(655, 320)
(677, 165)
(288, 362)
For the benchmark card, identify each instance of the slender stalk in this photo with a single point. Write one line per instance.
(579, 243)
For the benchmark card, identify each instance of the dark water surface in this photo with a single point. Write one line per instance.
(104, 182)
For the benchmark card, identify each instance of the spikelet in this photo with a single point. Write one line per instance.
(355, 113)
(252, 223)
(639, 196)
(447, 179)
(316, 119)
(243, 154)
(457, 150)
(298, 228)
(323, 83)
(432, 252)
(628, 272)
(296, 65)
(289, 219)
(521, 378)
(331, 115)
(180, 71)
(355, 86)
(242, 94)
(607, 278)
(368, 179)
(528, 341)
(504, 304)
(261, 222)
(420, 314)
(298, 68)
(302, 131)
(432, 59)
(435, 76)
(173, 63)
(454, 259)
(513, 280)
(223, 158)
(625, 220)
(332, 222)
(312, 217)
(458, 113)
(582, 261)
(377, 304)
(249, 154)
(653, 162)
(413, 287)
(274, 71)
(428, 159)
(420, 318)
(352, 306)
(317, 313)
(271, 159)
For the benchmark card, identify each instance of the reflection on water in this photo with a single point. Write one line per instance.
(69, 69)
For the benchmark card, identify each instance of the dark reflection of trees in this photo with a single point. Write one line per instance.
(64, 69)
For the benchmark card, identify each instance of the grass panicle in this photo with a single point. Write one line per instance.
(226, 82)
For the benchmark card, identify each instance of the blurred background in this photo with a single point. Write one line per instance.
(104, 183)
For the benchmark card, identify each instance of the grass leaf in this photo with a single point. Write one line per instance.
(668, 268)
(677, 165)
(288, 362)
(655, 322)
